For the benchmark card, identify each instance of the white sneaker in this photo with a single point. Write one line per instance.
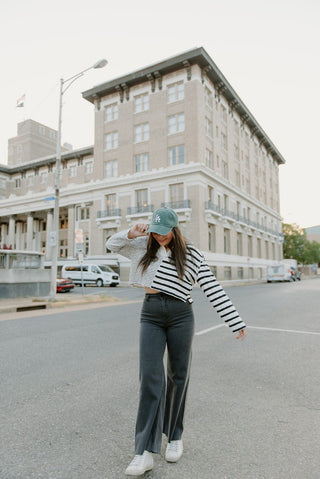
(140, 464)
(174, 451)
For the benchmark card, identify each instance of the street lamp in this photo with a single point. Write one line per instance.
(54, 235)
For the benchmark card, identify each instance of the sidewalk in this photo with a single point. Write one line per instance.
(15, 305)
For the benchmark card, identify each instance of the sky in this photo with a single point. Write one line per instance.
(268, 51)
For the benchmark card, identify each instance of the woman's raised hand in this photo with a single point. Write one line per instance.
(138, 230)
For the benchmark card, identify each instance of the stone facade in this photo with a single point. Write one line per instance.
(174, 133)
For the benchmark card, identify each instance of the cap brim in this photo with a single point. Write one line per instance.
(160, 230)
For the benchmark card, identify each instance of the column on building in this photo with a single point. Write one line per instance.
(19, 237)
(11, 235)
(36, 234)
(29, 232)
(49, 229)
(4, 230)
(71, 230)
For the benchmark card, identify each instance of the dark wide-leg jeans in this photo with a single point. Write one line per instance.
(165, 322)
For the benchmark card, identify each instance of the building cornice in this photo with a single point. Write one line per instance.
(45, 161)
(200, 57)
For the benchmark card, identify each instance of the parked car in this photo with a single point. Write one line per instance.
(96, 274)
(64, 285)
(280, 272)
(296, 275)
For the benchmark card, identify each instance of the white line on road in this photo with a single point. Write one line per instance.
(285, 330)
(204, 331)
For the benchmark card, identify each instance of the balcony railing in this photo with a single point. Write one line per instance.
(134, 210)
(209, 205)
(106, 213)
(177, 205)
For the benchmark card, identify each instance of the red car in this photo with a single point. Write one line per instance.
(64, 285)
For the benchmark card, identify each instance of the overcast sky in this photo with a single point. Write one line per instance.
(268, 51)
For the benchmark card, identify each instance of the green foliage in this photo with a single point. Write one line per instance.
(296, 245)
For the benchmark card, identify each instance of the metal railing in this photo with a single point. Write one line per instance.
(133, 210)
(177, 205)
(209, 205)
(107, 213)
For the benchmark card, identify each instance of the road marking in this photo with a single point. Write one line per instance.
(204, 331)
(297, 331)
(285, 330)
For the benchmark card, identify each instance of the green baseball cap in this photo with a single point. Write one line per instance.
(163, 220)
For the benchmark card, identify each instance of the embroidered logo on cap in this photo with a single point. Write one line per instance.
(157, 219)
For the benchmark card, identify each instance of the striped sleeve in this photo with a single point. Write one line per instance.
(218, 298)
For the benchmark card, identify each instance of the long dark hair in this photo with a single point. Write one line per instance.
(178, 252)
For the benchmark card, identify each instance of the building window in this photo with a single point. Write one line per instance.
(63, 223)
(44, 177)
(176, 192)
(176, 155)
(52, 134)
(63, 248)
(72, 171)
(212, 237)
(175, 92)
(224, 113)
(209, 158)
(176, 123)
(225, 170)
(88, 167)
(226, 241)
(211, 194)
(17, 182)
(259, 247)
(30, 180)
(84, 213)
(111, 112)
(111, 169)
(224, 141)
(141, 133)
(267, 250)
(141, 162)
(239, 244)
(42, 130)
(240, 273)
(227, 272)
(110, 202)
(111, 140)
(250, 246)
(209, 128)
(237, 178)
(208, 97)
(141, 198)
(141, 103)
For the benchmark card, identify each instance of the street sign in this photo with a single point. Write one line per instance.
(79, 236)
(79, 248)
(49, 198)
(52, 238)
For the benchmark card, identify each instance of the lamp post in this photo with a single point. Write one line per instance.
(54, 234)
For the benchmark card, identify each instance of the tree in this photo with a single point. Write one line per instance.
(294, 242)
(312, 252)
(296, 245)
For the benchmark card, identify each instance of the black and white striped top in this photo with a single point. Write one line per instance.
(162, 276)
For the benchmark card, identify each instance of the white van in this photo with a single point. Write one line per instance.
(98, 274)
(279, 272)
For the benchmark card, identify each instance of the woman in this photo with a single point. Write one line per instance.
(167, 267)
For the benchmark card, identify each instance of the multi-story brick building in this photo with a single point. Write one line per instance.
(174, 133)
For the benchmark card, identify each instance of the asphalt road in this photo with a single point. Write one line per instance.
(69, 390)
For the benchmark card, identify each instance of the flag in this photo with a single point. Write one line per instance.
(20, 101)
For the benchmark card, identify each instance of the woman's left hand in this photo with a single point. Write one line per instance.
(242, 334)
